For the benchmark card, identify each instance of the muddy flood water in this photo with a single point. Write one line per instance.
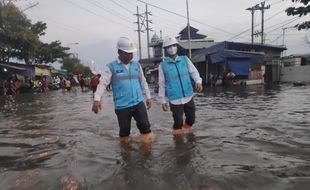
(254, 138)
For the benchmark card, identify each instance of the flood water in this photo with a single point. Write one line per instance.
(244, 138)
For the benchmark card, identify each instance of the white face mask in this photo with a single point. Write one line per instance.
(172, 50)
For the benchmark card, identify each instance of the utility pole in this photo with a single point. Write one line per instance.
(252, 9)
(283, 36)
(188, 33)
(262, 8)
(139, 32)
(147, 31)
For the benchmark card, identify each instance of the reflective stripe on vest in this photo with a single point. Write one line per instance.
(126, 84)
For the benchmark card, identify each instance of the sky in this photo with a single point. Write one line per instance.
(91, 28)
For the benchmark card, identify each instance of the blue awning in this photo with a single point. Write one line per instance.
(226, 54)
(218, 53)
(239, 66)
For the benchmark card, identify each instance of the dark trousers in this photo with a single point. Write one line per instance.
(139, 113)
(179, 110)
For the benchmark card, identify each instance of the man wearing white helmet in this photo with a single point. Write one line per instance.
(128, 86)
(175, 74)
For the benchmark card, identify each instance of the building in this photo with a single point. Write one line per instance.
(250, 63)
(295, 68)
(198, 41)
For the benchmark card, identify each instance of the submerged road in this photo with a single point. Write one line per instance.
(244, 138)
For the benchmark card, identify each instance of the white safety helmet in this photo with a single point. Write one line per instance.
(126, 44)
(168, 41)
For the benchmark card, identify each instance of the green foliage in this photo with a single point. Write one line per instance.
(300, 11)
(19, 38)
(74, 66)
(49, 53)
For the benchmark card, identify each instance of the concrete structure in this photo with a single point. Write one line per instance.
(295, 68)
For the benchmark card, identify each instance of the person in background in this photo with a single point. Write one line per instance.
(94, 82)
(82, 83)
(67, 82)
(128, 86)
(5, 86)
(174, 80)
(16, 86)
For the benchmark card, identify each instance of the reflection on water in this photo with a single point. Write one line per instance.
(245, 138)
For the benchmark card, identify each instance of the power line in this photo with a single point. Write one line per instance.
(288, 22)
(130, 3)
(281, 1)
(269, 18)
(99, 5)
(219, 29)
(122, 6)
(91, 12)
(67, 27)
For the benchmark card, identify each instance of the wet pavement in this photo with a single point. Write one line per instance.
(245, 138)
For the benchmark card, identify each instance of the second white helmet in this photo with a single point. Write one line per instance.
(169, 40)
(126, 44)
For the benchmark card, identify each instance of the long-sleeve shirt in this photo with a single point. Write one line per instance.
(105, 80)
(161, 82)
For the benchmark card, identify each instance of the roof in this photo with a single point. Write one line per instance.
(231, 54)
(242, 47)
(255, 46)
(12, 67)
(305, 56)
(219, 53)
(197, 44)
(193, 33)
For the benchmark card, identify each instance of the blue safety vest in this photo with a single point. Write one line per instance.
(177, 78)
(126, 85)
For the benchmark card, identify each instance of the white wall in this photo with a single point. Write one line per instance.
(295, 74)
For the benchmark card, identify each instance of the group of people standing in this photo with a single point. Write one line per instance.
(126, 77)
(10, 86)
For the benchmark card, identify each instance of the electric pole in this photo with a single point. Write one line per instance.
(139, 32)
(252, 9)
(262, 9)
(147, 31)
(188, 33)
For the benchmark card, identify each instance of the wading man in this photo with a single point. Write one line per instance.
(175, 75)
(128, 86)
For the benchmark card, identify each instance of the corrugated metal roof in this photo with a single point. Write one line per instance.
(12, 67)
(197, 44)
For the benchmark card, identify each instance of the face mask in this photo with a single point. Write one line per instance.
(172, 50)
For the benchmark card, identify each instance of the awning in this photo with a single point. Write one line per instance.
(239, 66)
(227, 54)
(11, 67)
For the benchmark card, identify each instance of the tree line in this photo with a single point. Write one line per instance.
(20, 39)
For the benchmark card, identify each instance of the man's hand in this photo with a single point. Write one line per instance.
(96, 106)
(165, 106)
(148, 103)
(199, 87)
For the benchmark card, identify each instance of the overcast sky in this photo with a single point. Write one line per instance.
(96, 25)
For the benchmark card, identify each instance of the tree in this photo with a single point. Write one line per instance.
(49, 53)
(16, 38)
(19, 38)
(300, 11)
(74, 66)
